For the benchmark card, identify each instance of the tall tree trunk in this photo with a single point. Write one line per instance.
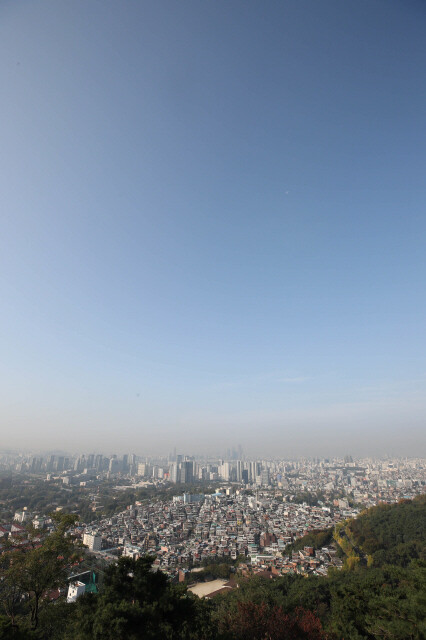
(34, 612)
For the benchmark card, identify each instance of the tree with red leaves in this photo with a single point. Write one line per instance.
(260, 622)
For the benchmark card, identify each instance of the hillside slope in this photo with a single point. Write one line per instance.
(392, 534)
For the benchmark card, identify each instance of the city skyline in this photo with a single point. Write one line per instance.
(213, 226)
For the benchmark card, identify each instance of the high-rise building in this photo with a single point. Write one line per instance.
(187, 472)
(174, 473)
(225, 471)
(93, 541)
(254, 471)
(239, 470)
(114, 466)
(264, 476)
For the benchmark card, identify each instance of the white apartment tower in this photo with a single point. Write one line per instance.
(93, 541)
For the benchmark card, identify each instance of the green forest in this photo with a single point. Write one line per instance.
(381, 596)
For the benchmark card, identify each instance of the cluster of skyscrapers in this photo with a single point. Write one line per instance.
(176, 468)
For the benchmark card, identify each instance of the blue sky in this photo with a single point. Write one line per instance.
(213, 225)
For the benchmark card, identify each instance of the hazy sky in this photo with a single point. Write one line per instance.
(213, 219)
